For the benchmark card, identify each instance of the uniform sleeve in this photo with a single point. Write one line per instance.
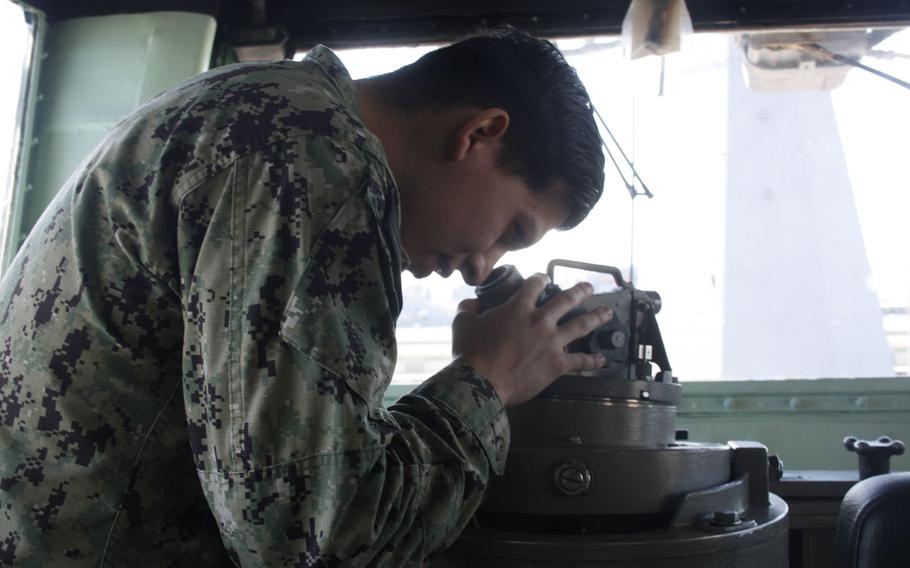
(291, 293)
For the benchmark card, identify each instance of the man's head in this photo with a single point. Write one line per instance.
(492, 142)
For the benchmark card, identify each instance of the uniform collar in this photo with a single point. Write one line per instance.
(344, 84)
(336, 70)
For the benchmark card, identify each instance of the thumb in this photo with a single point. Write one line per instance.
(471, 305)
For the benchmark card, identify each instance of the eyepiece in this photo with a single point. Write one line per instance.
(499, 286)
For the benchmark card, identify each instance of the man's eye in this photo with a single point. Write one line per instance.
(515, 238)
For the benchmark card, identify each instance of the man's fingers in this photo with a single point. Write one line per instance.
(531, 289)
(585, 324)
(584, 361)
(566, 300)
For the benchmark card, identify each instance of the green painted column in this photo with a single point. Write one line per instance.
(94, 72)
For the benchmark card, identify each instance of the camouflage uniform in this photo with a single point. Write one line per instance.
(197, 335)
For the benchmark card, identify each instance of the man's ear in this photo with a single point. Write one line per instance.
(482, 131)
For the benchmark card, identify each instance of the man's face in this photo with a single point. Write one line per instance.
(469, 219)
(459, 209)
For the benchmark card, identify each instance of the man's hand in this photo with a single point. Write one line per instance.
(518, 347)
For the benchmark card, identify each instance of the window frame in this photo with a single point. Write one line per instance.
(10, 237)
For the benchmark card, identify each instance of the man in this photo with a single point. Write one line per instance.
(198, 332)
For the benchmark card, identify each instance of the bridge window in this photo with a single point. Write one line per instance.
(777, 232)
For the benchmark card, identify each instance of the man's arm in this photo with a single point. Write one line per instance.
(289, 345)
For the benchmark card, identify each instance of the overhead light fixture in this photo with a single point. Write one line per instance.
(655, 27)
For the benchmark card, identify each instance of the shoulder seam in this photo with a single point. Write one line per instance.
(182, 190)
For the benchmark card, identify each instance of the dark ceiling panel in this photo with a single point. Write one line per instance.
(402, 21)
(66, 9)
(346, 22)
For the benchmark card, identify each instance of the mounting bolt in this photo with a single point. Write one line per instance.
(775, 468)
(726, 518)
(617, 339)
(573, 477)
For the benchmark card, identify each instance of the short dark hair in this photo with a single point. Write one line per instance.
(552, 135)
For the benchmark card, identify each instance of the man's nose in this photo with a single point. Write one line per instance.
(477, 267)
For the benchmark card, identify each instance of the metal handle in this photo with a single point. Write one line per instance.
(611, 270)
(874, 455)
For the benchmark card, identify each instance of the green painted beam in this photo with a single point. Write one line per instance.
(802, 421)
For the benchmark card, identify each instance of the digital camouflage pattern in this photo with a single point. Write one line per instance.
(196, 337)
